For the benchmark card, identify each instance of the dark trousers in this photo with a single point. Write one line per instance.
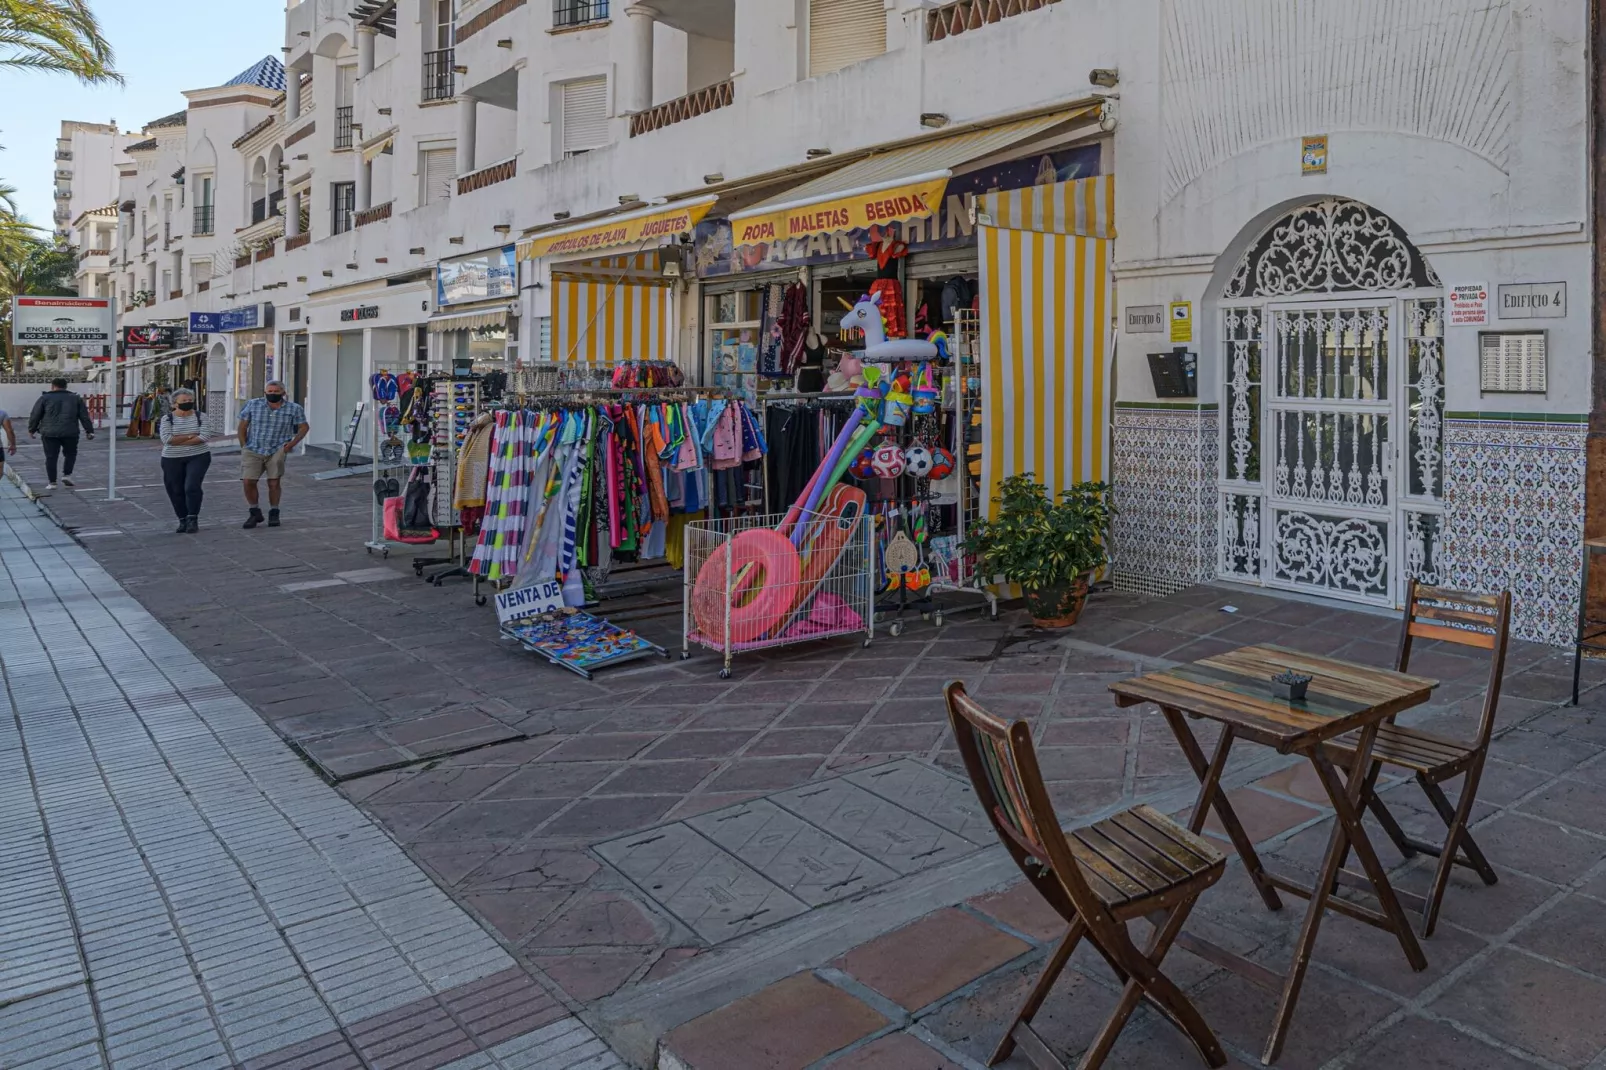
(64, 447)
(182, 477)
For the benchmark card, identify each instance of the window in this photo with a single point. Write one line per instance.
(200, 271)
(343, 202)
(438, 41)
(578, 12)
(345, 94)
(167, 219)
(437, 169)
(843, 32)
(203, 205)
(585, 115)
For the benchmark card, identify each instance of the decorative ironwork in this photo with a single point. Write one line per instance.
(961, 16)
(567, 13)
(488, 176)
(438, 76)
(1331, 246)
(343, 130)
(700, 102)
(1424, 343)
(1239, 540)
(1424, 535)
(1343, 554)
(1242, 327)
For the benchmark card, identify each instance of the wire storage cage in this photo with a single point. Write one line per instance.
(771, 580)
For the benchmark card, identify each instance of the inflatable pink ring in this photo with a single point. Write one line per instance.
(764, 571)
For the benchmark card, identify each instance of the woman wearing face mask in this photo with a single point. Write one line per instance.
(185, 459)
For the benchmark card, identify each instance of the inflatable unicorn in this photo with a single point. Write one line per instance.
(866, 316)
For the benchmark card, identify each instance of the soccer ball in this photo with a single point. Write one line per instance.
(917, 461)
(887, 461)
(942, 463)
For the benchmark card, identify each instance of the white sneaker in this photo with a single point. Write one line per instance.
(67, 482)
(50, 486)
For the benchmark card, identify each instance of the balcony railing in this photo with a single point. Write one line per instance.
(566, 13)
(707, 99)
(63, 173)
(243, 260)
(343, 204)
(487, 176)
(962, 16)
(266, 207)
(343, 127)
(203, 286)
(203, 219)
(87, 253)
(63, 193)
(373, 215)
(438, 78)
(297, 242)
(60, 155)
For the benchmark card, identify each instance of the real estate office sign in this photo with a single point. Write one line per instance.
(62, 321)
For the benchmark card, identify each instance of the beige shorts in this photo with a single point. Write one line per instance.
(253, 466)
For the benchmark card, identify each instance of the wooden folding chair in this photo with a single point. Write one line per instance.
(1137, 864)
(1476, 620)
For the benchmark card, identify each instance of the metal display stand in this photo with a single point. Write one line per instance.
(967, 426)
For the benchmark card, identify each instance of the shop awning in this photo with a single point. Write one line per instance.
(472, 320)
(1085, 208)
(376, 148)
(635, 227)
(165, 356)
(897, 185)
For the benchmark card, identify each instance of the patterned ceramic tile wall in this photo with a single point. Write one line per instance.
(1514, 516)
(1165, 491)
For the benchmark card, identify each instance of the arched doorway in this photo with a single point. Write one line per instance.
(1332, 453)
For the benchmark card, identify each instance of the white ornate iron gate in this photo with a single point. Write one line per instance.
(1332, 459)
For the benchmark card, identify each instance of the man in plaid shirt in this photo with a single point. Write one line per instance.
(270, 427)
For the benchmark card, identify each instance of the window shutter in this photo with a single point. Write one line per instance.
(585, 115)
(440, 173)
(842, 32)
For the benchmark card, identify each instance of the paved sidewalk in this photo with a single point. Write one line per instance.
(178, 889)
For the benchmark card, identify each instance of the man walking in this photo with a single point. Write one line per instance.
(56, 417)
(270, 427)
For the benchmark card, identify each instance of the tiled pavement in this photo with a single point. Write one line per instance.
(371, 673)
(178, 889)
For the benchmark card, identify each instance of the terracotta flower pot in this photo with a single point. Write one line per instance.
(1059, 606)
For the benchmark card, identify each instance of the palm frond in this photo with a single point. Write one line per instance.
(55, 36)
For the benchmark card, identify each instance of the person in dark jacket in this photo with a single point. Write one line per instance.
(56, 417)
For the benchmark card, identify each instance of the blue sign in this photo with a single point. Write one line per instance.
(245, 318)
(483, 277)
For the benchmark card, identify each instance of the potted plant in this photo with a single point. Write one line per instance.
(1049, 548)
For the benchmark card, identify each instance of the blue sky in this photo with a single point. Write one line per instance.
(162, 49)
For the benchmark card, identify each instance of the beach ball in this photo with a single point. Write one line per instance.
(887, 461)
(917, 461)
(942, 463)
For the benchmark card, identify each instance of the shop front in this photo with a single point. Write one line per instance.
(247, 360)
(475, 326)
(351, 334)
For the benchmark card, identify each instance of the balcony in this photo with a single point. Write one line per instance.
(343, 127)
(87, 253)
(962, 16)
(61, 174)
(265, 253)
(243, 260)
(701, 102)
(438, 77)
(265, 207)
(204, 219)
(487, 176)
(61, 155)
(174, 295)
(291, 244)
(203, 286)
(570, 13)
(63, 193)
(376, 214)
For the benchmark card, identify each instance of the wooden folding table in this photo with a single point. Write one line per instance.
(1235, 690)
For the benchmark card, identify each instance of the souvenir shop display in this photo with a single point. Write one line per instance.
(579, 641)
(145, 411)
(579, 482)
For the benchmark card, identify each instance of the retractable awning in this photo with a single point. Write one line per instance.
(165, 356)
(634, 227)
(376, 148)
(897, 185)
(469, 321)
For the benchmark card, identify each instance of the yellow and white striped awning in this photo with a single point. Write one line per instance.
(645, 269)
(1046, 305)
(640, 227)
(609, 322)
(1085, 207)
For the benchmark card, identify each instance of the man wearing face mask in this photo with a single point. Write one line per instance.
(270, 427)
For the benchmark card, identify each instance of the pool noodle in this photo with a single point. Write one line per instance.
(810, 498)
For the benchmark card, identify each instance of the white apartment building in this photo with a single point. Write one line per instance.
(1318, 215)
(85, 170)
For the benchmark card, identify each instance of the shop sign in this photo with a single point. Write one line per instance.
(1313, 155)
(482, 277)
(1145, 319)
(356, 315)
(1181, 322)
(523, 602)
(150, 338)
(1469, 304)
(244, 318)
(951, 224)
(898, 203)
(639, 228)
(1533, 301)
(53, 321)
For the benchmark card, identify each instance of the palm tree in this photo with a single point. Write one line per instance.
(61, 36)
